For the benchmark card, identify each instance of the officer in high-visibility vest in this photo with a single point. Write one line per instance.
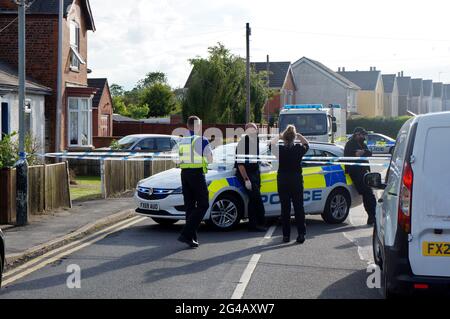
(195, 154)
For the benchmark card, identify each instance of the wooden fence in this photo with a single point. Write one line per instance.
(48, 189)
(122, 176)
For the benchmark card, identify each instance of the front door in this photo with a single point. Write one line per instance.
(4, 119)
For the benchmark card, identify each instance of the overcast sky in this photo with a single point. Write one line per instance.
(138, 36)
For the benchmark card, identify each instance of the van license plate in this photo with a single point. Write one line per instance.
(149, 206)
(436, 249)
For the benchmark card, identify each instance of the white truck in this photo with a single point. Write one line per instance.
(316, 122)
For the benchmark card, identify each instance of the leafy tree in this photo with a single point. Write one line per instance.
(216, 88)
(116, 90)
(119, 106)
(160, 99)
(152, 78)
(137, 111)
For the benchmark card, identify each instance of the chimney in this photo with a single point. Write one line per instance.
(343, 69)
(268, 70)
(401, 73)
(339, 69)
(8, 5)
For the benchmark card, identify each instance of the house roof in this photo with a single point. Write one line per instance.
(389, 82)
(438, 89)
(428, 87)
(9, 81)
(344, 81)
(52, 7)
(121, 118)
(404, 85)
(366, 80)
(99, 84)
(417, 87)
(278, 72)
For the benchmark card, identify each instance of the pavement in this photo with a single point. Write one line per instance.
(46, 232)
(144, 260)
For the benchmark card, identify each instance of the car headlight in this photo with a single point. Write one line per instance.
(178, 191)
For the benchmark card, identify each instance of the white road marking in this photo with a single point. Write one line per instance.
(84, 243)
(245, 278)
(270, 232)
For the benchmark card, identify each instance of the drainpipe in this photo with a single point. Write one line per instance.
(59, 85)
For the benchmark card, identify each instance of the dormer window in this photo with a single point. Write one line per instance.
(75, 57)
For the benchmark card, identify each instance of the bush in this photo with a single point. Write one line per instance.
(9, 150)
(389, 126)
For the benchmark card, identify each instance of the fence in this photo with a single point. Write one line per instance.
(48, 189)
(122, 176)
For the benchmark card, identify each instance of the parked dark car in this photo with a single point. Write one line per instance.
(2, 255)
(154, 143)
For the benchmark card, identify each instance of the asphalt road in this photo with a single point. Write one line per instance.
(146, 261)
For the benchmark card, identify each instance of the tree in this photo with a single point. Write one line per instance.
(116, 90)
(216, 88)
(137, 112)
(160, 99)
(152, 78)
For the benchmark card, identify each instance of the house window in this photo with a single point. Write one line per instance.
(80, 120)
(4, 116)
(75, 58)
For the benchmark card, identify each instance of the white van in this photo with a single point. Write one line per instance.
(412, 234)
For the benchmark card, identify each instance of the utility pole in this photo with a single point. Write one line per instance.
(22, 165)
(247, 110)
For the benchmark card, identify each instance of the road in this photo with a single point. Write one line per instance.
(144, 260)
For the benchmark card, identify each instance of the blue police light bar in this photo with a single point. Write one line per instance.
(303, 107)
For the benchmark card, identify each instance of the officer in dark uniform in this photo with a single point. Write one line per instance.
(195, 154)
(249, 174)
(356, 147)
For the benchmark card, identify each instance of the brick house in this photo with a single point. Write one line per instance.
(281, 80)
(102, 109)
(76, 121)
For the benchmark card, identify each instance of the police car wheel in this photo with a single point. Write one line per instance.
(337, 207)
(226, 212)
(164, 221)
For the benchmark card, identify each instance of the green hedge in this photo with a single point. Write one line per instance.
(389, 126)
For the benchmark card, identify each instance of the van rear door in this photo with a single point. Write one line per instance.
(429, 248)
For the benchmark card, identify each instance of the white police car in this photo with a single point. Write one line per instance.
(380, 144)
(328, 190)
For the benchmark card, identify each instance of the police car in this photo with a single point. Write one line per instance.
(328, 190)
(380, 144)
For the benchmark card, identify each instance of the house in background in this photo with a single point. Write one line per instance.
(9, 105)
(427, 97)
(416, 95)
(318, 84)
(390, 95)
(282, 81)
(404, 94)
(102, 109)
(446, 103)
(76, 121)
(438, 97)
(371, 95)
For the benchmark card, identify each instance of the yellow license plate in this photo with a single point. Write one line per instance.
(436, 249)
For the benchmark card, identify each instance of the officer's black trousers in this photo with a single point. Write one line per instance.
(290, 190)
(369, 199)
(256, 210)
(196, 202)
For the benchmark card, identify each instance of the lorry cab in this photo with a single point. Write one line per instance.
(314, 121)
(412, 234)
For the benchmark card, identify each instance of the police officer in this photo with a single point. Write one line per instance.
(195, 154)
(290, 180)
(356, 147)
(249, 174)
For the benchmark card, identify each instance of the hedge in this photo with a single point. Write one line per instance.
(389, 126)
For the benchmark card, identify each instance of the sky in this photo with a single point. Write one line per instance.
(135, 37)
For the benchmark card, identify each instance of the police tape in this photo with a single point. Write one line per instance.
(151, 157)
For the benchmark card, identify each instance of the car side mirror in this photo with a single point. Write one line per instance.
(334, 127)
(373, 180)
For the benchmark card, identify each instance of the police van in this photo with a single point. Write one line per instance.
(328, 191)
(411, 239)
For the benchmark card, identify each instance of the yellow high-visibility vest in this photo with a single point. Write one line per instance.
(189, 158)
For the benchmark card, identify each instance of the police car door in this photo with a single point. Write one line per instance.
(269, 187)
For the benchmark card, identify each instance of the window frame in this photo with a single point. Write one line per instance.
(79, 113)
(75, 61)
